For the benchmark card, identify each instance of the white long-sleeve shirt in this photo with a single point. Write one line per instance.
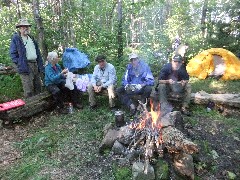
(106, 76)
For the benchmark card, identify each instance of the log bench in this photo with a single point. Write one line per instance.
(33, 105)
(43, 101)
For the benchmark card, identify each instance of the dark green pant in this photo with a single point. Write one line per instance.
(164, 91)
(32, 84)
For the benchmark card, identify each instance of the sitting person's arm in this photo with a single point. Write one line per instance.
(53, 77)
(112, 77)
(163, 75)
(148, 77)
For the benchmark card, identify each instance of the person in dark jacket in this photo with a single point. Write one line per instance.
(55, 81)
(174, 79)
(137, 80)
(26, 58)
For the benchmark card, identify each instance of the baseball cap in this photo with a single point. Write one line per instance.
(177, 58)
(132, 55)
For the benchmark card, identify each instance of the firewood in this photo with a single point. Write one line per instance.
(175, 141)
(202, 97)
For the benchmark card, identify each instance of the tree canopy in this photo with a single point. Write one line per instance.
(115, 27)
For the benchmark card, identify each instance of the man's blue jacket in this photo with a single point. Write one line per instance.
(145, 75)
(18, 54)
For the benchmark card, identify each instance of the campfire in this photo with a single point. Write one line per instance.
(147, 136)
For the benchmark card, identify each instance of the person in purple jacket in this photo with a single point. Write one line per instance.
(26, 58)
(137, 80)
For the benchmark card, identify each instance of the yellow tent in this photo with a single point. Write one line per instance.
(203, 64)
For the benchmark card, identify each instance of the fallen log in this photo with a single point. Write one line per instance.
(33, 105)
(7, 70)
(202, 97)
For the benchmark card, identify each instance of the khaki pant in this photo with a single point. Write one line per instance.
(32, 84)
(165, 89)
(92, 94)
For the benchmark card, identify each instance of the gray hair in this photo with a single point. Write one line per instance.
(52, 55)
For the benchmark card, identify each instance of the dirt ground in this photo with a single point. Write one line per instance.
(217, 159)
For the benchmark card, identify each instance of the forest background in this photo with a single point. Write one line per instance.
(51, 146)
(117, 27)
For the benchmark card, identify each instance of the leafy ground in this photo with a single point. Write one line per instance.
(53, 146)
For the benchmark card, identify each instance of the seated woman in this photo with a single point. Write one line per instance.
(55, 80)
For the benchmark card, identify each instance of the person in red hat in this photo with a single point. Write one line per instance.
(26, 58)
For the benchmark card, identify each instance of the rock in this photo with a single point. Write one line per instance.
(133, 154)
(125, 134)
(118, 148)
(138, 172)
(183, 163)
(107, 127)
(108, 140)
(170, 119)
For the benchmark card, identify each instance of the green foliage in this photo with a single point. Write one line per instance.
(11, 87)
(161, 170)
(211, 85)
(122, 173)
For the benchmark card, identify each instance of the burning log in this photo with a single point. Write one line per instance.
(148, 135)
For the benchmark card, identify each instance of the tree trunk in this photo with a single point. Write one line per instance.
(132, 29)
(203, 19)
(120, 29)
(40, 28)
(18, 9)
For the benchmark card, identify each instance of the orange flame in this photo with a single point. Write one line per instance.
(152, 116)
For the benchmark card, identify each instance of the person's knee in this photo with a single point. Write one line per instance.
(148, 89)
(162, 87)
(111, 91)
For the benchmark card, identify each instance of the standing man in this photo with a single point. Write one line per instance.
(137, 80)
(104, 78)
(27, 59)
(173, 78)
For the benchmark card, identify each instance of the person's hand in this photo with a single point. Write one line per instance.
(142, 85)
(95, 88)
(139, 86)
(65, 71)
(183, 82)
(171, 81)
(99, 88)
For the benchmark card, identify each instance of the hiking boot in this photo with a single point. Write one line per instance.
(93, 107)
(113, 109)
(78, 106)
(186, 112)
(62, 110)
